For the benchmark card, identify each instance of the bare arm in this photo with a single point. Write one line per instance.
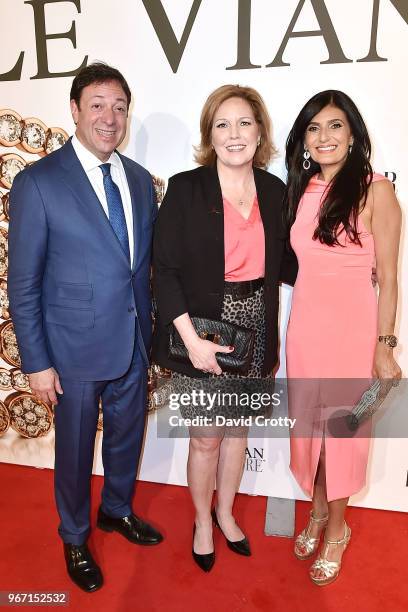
(386, 229)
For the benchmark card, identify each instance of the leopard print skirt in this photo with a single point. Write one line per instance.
(231, 394)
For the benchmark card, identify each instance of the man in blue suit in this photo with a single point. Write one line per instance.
(81, 225)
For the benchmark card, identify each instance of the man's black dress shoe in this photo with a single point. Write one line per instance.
(204, 562)
(82, 568)
(241, 547)
(132, 527)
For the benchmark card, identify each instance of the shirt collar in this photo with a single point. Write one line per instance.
(88, 160)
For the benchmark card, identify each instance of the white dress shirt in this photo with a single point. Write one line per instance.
(90, 164)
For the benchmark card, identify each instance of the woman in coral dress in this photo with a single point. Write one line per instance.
(343, 221)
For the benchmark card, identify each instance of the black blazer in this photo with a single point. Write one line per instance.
(188, 257)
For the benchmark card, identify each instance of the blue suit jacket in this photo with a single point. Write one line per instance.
(76, 304)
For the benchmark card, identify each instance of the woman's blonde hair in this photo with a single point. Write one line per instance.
(205, 154)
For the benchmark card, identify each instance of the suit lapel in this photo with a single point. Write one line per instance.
(212, 197)
(136, 197)
(212, 190)
(264, 196)
(77, 181)
(266, 208)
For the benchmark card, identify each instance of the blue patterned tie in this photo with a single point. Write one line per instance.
(115, 207)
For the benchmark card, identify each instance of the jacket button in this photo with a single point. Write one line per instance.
(131, 309)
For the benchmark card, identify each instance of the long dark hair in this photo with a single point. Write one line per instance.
(347, 192)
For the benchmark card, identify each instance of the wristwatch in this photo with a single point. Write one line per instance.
(389, 340)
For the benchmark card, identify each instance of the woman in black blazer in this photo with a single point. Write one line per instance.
(217, 226)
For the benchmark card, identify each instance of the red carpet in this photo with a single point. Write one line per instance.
(164, 578)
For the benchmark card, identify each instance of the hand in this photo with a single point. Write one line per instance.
(202, 355)
(45, 385)
(385, 368)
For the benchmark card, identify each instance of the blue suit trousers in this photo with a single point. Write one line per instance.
(124, 403)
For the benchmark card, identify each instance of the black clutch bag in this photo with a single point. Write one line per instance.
(224, 334)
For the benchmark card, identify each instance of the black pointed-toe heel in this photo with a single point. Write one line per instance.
(204, 562)
(241, 547)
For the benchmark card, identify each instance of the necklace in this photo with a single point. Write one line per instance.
(243, 201)
(246, 193)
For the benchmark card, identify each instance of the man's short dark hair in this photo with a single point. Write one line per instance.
(98, 72)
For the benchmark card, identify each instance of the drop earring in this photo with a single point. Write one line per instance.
(306, 162)
(350, 148)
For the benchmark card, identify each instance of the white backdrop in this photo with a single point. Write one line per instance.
(164, 126)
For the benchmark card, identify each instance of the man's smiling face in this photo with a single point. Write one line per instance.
(101, 118)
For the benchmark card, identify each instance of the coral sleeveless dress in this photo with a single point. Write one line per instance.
(332, 334)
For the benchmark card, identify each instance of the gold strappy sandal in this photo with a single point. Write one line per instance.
(305, 545)
(330, 569)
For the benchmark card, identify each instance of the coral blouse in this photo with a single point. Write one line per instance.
(244, 243)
